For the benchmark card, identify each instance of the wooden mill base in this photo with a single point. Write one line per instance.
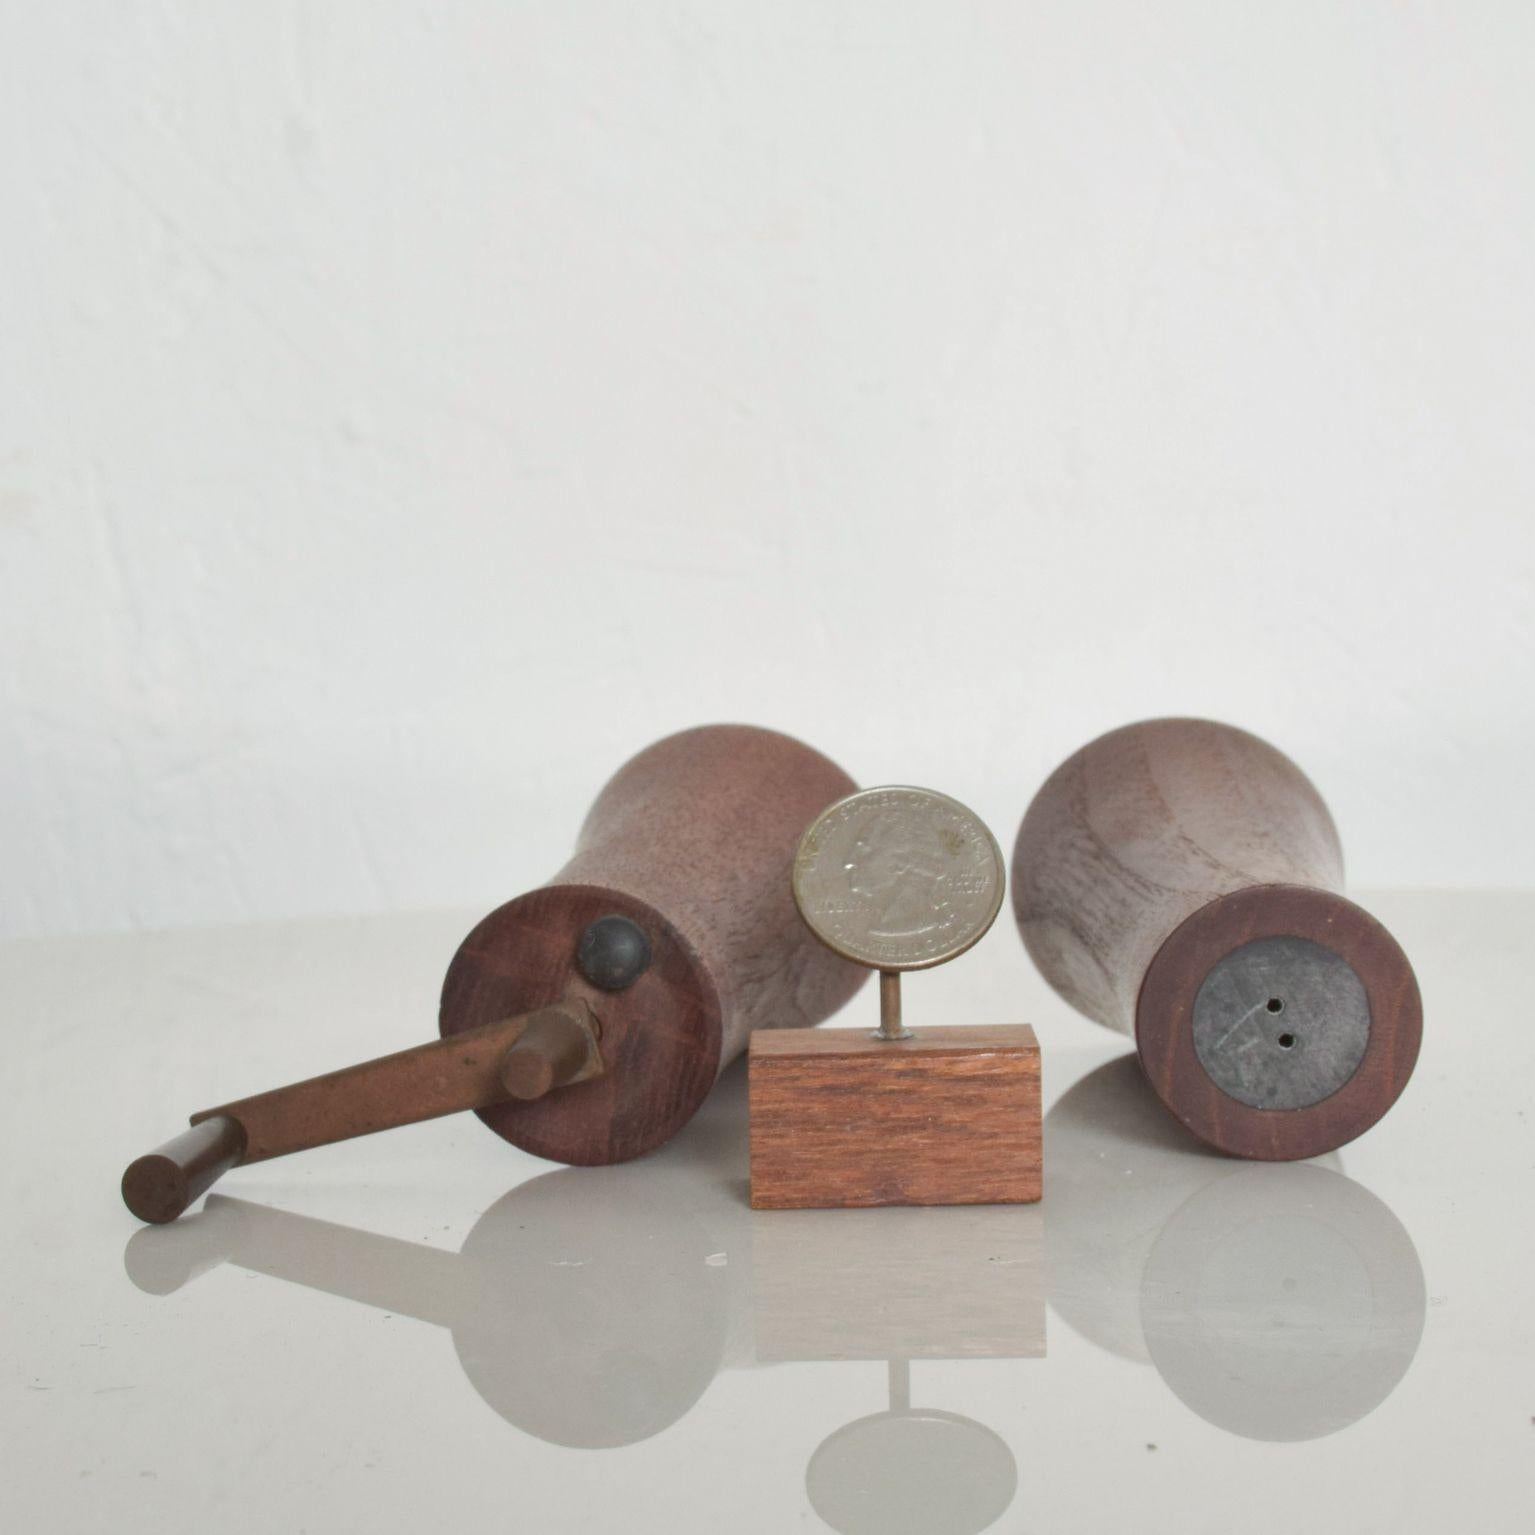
(949, 1116)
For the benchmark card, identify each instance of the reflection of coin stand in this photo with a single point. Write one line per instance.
(907, 1288)
(896, 879)
(911, 1468)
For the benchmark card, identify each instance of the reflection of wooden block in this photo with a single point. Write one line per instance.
(899, 1284)
(947, 1117)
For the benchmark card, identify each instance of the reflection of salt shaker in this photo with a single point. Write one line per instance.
(1278, 1302)
(896, 879)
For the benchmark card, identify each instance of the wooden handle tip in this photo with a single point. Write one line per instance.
(158, 1186)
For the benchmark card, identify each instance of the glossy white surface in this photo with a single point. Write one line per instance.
(430, 1331)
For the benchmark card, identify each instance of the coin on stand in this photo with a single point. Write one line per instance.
(898, 878)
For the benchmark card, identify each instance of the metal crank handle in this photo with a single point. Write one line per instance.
(522, 1057)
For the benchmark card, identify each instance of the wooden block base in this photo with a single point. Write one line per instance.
(947, 1117)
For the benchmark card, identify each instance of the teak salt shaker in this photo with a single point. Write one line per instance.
(1182, 881)
(586, 1020)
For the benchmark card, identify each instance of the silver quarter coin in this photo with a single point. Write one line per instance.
(898, 878)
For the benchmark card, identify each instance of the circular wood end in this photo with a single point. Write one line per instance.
(1164, 1021)
(660, 1036)
(155, 1189)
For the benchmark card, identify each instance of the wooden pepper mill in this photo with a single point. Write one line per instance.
(1182, 881)
(585, 1021)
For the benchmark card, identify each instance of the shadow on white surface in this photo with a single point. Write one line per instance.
(593, 1307)
(1279, 1301)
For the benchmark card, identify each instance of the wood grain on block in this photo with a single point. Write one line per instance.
(950, 1116)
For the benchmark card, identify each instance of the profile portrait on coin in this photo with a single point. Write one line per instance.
(898, 878)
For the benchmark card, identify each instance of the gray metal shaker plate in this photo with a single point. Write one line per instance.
(1281, 1023)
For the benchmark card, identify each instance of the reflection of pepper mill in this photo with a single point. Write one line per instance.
(1182, 881)
(1280, 1302)
(586, 1020)
(590, 1309)
(903, 1285)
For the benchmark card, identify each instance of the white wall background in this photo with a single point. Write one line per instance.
(408, 410)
